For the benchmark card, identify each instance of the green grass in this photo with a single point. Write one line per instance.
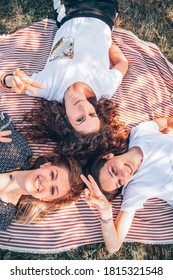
(151, 20)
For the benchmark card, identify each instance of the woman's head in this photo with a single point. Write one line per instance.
(80, 112)
(52, 182)
(112, 171)
(94, 168)
(49, 122)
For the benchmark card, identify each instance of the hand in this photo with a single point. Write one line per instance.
(5, 133)
(94, 197)
(21, 82)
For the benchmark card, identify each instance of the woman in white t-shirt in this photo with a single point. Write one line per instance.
(78, 65)
(144, 171)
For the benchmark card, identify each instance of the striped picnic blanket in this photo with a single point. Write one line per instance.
(145, 93)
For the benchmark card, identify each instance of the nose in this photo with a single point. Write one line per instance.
(124, 173)
(82, 107)
(43, 183)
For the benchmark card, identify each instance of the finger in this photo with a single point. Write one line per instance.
(95, 187)
(18, 85)
(27, 80)
(98, 203)
(37, 85)
(31, 89)
(5, 133)
(86, 181)
(86, 192)
(19, 73)
(5, 140)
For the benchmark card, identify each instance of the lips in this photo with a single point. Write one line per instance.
(130, 169)
(38, 184)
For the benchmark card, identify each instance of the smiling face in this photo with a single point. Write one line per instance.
(118, 170)
(48, 182)
(80, 112)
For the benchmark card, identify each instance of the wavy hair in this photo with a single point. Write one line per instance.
(31, 209)
(48, 122)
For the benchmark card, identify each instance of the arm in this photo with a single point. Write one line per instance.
(19, 82)
(164, 123)
(119, 60)
(114, 233)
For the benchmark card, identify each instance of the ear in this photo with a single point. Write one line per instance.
(108, 156)
(46, 164)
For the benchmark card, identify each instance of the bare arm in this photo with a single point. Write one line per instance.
(164, 123)
(118, 58)
(114, 233)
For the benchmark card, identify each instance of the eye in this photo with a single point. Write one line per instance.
(113, 170)
(52, 190)
(81, 119)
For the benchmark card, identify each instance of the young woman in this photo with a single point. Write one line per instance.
(78, 66)
(48, 122)
(144, 171)
(28, 193)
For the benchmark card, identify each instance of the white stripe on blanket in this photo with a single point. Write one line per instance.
(144, 94)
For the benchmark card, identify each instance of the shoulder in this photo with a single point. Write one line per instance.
(144, 128)
(7, 213)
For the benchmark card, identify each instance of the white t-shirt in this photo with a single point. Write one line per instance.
(79, 54)
(154, 178)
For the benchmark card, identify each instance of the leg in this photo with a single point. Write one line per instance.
(102, 9)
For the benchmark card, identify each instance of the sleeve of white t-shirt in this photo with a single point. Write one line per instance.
(133, 195)
(144, 128)
(115, 80)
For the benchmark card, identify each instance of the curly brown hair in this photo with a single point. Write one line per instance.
(31, 209)
(48, 122)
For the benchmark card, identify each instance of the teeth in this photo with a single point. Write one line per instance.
(37, 184)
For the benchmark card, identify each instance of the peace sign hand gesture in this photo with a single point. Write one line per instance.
(95, 198)
(21, 83)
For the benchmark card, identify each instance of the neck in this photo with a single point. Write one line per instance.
(137, 153)
(10, 187)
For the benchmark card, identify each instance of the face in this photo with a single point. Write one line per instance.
(118, 170)
(82, 115)
(49, 182)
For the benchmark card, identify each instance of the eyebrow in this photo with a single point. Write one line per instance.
(116, 184)
(56, 174)
(110, 173)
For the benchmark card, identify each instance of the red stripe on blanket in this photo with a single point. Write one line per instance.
(145, 93)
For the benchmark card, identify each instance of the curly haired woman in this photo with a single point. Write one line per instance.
(78, 67)
(48, 122)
